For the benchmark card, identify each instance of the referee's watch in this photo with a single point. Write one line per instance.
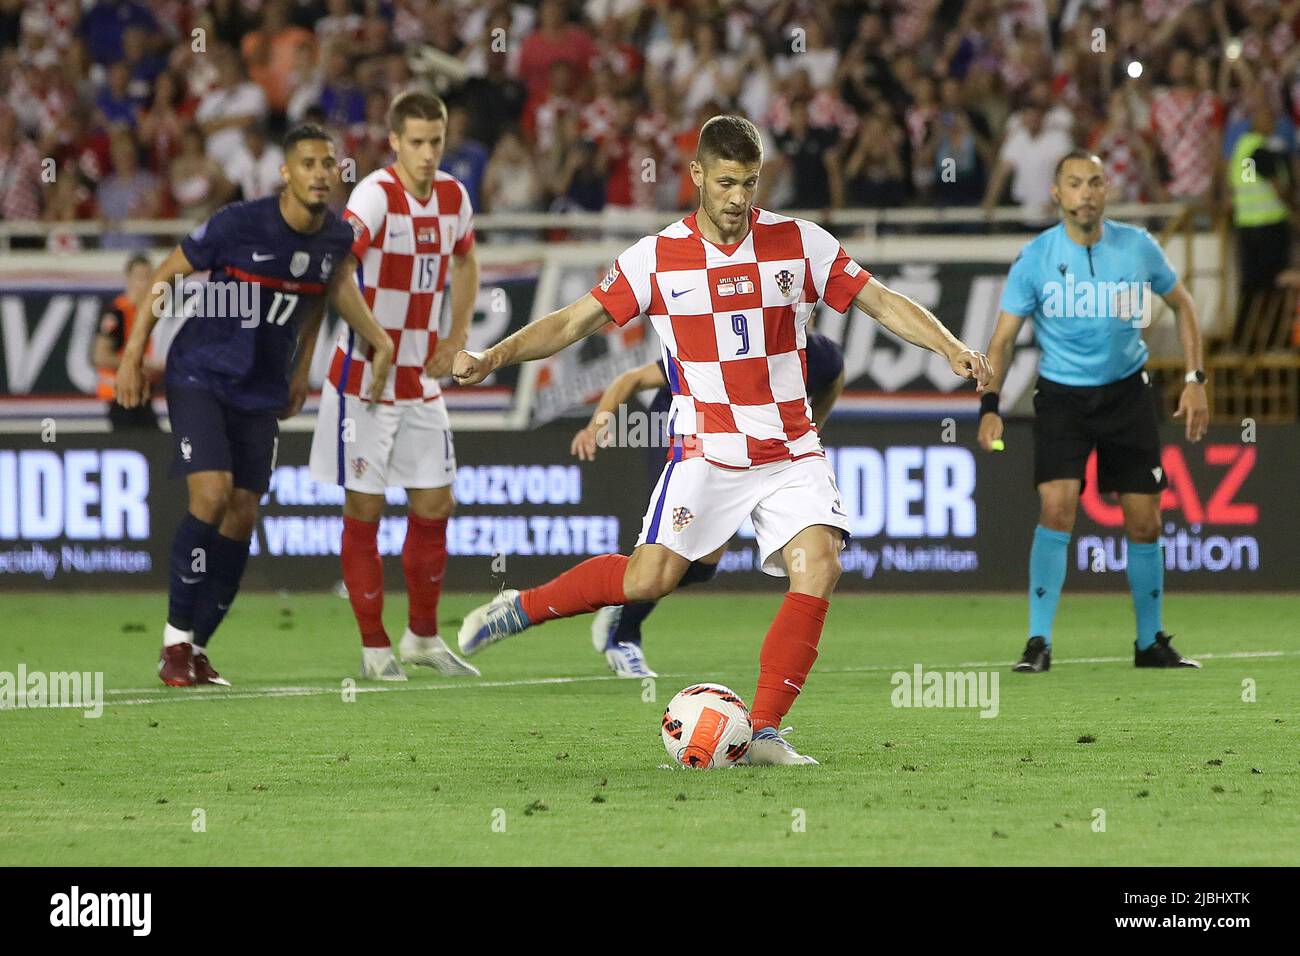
(1197, 376)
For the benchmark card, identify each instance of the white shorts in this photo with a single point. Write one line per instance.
(372, 447)
(696, 507)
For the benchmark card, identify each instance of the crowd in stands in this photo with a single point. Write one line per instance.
(122, 109)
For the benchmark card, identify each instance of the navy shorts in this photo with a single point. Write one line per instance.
(209, 435)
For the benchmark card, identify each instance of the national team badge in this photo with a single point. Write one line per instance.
(681, 518)
(187, 450)
(610, 278)
(785, 281)
(359, 466)
(298, 264)
(325, 264)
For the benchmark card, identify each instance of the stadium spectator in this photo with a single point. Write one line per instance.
(810, 52)
(340, 97)
(271, 53)
(575, 178)
(713, 73)
(812, 155)
(1028, 158)
(1186, 124)
(163, 122)
(875, 176)
(255, 169)
(498, 97)
(1126, 155)
(464, 158)
(142, 64)
(128, 192)
(116, 105)
(105, 24)
(511, 182)
(341, 21)
(554, 41)
(233, 103)
(367, 143)
(62, 208)
(957, 159)
(20, 171)
(195, 179)
(74, 65)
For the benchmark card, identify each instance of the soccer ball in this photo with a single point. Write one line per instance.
(707, 725)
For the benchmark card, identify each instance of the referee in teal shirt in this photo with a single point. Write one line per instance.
(1087, 284)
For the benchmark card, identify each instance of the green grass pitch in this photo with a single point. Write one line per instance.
(549, 760)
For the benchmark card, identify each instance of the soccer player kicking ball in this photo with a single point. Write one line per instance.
(231, 372)
(413, 224)
(616, 631)
(729, 290)
(1087, 284)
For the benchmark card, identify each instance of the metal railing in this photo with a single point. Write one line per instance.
(632, 221)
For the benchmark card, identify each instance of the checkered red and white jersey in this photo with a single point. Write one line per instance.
(733, 328)
(404, 247)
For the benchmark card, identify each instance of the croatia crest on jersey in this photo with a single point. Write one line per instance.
(785, 281)
(681, 518)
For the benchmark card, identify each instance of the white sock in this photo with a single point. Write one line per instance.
(377, 651)
(174, 635)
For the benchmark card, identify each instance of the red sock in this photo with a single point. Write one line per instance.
(596, 583)
(363, 573)
(424, 559)
(787, 656)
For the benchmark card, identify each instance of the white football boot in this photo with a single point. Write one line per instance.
(603, 625)
(378, 663)
(434, 652)
(626, 659)
(492, 622)
(770, 748)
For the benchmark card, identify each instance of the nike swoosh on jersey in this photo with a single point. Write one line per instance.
(797, 688)
(263, 256)
(683, 292)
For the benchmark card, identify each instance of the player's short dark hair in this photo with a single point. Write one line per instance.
(730, 137)
(1077, 153)
(414, 104)
(137, 259)
(303, 132)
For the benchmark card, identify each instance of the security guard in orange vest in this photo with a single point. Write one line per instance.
(114, 327)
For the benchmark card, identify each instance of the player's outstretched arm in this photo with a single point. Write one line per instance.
(586, 442)
(920, 326)
(539, 339)
(132, 387)
(346, 296)
(1001, 349)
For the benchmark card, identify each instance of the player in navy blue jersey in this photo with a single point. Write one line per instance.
(616, 631)
(237, 366)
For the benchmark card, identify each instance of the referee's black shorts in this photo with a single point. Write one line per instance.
(1119, 420)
